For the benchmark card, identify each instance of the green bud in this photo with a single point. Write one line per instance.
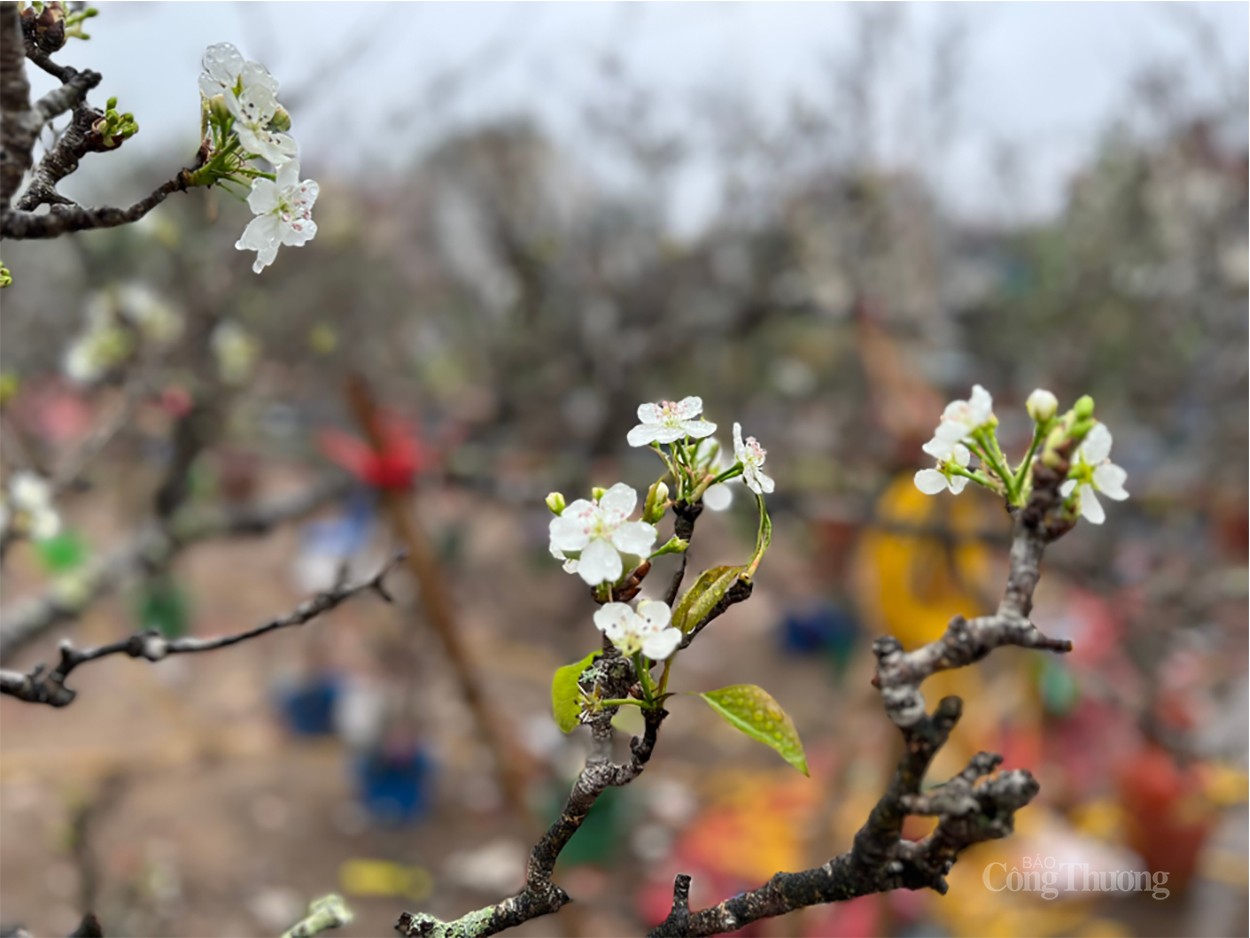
(597, 492)
(1084, 407)
(555, 501)
(281, 120)
(112, 103)
(656, 504)
(674, 545)
(1055, 439)
(217, 110)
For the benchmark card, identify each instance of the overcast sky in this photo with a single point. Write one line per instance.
(1040, 76)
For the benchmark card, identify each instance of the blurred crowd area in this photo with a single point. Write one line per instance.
(509, 310)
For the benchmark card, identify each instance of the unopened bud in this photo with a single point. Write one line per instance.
(598, 492)
(1084, 407)
(1042, 405)
(217, 110)
(656, 504)
(281, 120)
(555, 501)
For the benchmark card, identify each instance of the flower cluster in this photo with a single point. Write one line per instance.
(243, 122)
(120, 322)
(26, 509)
(597, 540)
(968, 428)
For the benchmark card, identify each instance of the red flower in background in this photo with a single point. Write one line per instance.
(393, 466)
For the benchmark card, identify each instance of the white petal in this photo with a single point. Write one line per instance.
(264, 196)
(950, 431)
(264, 257)
(222, 63)
(1066, 489)
(688, 408)
(766, 482)
(568, 532)
(642, 435)
(612, 619)
(634, 537)
(1109, 479)
(656, 614)
(981, 405)
(660, 646)
(930, 481)
(738, 447)
(299, 232)
(668, 434)
(288, 177)
(650, 413)
(939, 448)
(258, 81)
(1097, 444)
(718, 497)
(278, 149)
(698, 428)
(44, 524)
(619, 501)
(957, 483)
(599, 563)
(1091, 507)
(961, 455)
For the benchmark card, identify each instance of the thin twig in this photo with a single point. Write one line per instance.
(48, 687)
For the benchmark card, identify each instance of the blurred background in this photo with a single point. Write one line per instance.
(827, 220)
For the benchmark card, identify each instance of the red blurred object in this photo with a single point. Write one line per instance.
(1167, 816)
(394, 466)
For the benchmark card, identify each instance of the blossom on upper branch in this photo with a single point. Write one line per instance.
(250, 94)
(1093, 471)
(752, 457)
(283, 215)
(646, 630)
(669, 421)
(961, 419)
(948, 455)
(598, 533)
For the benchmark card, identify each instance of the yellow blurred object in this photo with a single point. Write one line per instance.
(1103, 819)
(910, 584)
(1224, 785)
(322, 339)
(382, 878)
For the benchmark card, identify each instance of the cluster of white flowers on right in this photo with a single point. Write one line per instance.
(26, 508)
(241, 105)
(967, 428)
(120, 322)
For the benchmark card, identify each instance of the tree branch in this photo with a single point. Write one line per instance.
(63, 219)
(153, 545)
(43, 687)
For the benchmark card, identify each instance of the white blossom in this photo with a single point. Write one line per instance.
(283, 212)
(1095, 472)
(646, 630)
(933, 481)
(596, 534)
(251, 95)
(710, 458)
(752, 457)
(961, 419)
(28, 507)
(670, 421)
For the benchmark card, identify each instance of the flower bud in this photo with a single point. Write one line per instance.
(281, 120)
(555, 501)
(598, 492)
(1042, 405)
(1084, 407)
(217, 110)
(656, 504)
(1055, 439)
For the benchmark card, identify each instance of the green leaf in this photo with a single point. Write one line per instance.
(709, 589)
(565, 694)
(753, 711)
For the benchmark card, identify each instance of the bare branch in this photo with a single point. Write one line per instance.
(153, 545)
(43, 687)
(63, 219)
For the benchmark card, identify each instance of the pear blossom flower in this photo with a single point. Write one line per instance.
(598, 534)
(941, 479)
(646, 630)
(28, 508)
(1092, 472)
(250, 94)
(283, 212)
(752, 457)
(961, 419)
(669, 421)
